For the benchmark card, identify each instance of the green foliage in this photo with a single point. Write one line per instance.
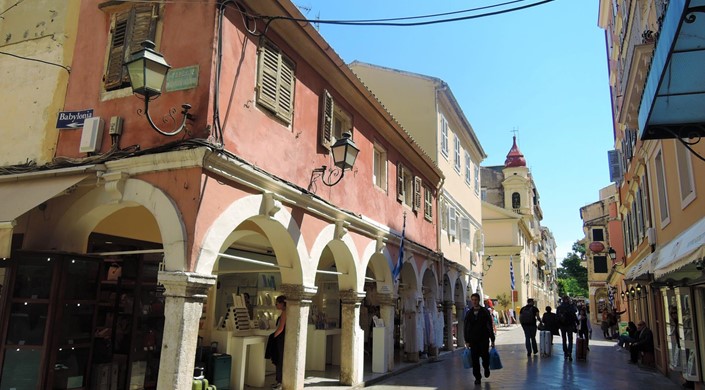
(572, 277)
(503, 301)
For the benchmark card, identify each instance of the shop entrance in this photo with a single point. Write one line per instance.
(76, 321)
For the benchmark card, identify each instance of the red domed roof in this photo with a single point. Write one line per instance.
(515, 158)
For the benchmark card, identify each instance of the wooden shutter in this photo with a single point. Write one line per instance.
(417, 193)
(130, 28)
(114, 71)
(400, 182)
(285, 92)
(268, 75)
(428, 207)
(326, 119)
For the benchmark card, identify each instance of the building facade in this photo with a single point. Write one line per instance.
(514, 237)
(426, 107)
(181, 227)
(657, 166)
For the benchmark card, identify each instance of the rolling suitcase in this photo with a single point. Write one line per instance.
(581, 349)
(545, 343)
(218, 370)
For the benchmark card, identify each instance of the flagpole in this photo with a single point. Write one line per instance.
(512, 276)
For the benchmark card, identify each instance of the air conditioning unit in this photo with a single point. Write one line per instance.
(92, 135)
(651, 236)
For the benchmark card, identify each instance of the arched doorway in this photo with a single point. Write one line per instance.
(410, 340)
(432, 316)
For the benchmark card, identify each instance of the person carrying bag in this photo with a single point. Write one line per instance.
(478, 334)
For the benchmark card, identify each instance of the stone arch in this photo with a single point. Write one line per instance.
(379, 261)
(243, 218)
(460, 291)
(80, 219)
(345, 257)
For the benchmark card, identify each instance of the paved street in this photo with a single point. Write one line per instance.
(606, 367)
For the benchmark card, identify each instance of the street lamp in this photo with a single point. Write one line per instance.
(488, 264)
(344, 156)
(148, 69)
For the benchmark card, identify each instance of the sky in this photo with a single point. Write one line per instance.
(541, 70)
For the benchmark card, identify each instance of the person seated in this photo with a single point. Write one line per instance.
(625, 340)
(644, 342)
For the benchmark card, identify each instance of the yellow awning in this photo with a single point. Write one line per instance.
(18, 197)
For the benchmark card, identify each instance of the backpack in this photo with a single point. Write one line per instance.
(526, 316)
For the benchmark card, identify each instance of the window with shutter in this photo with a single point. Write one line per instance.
(452, 221)
(444, 136)
(400, 182)
(130, 28)
(465, 231)
(417, 193)
(327, 106)
(275, 81)
(428, 204)
(444, 215)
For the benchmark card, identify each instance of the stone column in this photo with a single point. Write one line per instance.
(448, 317)
(460, 311)
(184, 297)
(386, 312)
(298, 304)
(351, 339)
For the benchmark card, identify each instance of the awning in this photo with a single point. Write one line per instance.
(18, 197)
(687, 247)
(642, 267)
(674, 94)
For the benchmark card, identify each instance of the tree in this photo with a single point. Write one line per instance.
(572, 277)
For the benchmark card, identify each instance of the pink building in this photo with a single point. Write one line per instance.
(181, 227)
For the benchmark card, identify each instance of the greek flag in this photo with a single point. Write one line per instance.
(511, 272)
(610, 296)
(396, 270)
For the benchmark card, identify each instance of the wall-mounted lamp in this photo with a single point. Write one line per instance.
(632, 292)
(344, 156)
(488, 264)
(623, 296)
(638, 290)
(148, 69)
(700, 264)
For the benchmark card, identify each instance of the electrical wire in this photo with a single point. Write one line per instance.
(411, 24)
(9, 8)
(66, 68)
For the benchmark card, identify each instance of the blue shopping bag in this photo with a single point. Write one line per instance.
(495, 361)
(467, 358)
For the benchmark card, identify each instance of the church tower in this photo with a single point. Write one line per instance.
(518, 193)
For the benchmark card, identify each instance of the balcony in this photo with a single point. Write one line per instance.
(674, 94)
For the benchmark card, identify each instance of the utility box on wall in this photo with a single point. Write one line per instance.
(92, 135)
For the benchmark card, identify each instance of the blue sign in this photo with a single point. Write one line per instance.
(72, 119)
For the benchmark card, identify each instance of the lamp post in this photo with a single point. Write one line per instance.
(148, 69)
(344, 155)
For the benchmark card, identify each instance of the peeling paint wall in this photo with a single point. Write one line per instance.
(33, 92)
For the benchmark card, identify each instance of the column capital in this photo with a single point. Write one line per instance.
(297, 292)
(189, 285)
(386, 299)
(352, 297)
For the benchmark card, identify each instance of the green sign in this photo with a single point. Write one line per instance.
(182, 78)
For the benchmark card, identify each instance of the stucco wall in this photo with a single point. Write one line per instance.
(33, 92)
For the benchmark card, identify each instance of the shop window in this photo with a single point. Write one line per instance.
(129, 28)
(275, 82)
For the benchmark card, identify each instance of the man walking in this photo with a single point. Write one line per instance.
(528, 315)
(568, 321)
(478, 334)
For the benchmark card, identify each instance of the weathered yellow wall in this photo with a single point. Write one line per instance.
(32, 92)
(411, 101)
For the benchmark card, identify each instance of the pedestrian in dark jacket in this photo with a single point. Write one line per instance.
(528, 315)
(644, 342)
(478, 335)
(568, 321)
(550, 321)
